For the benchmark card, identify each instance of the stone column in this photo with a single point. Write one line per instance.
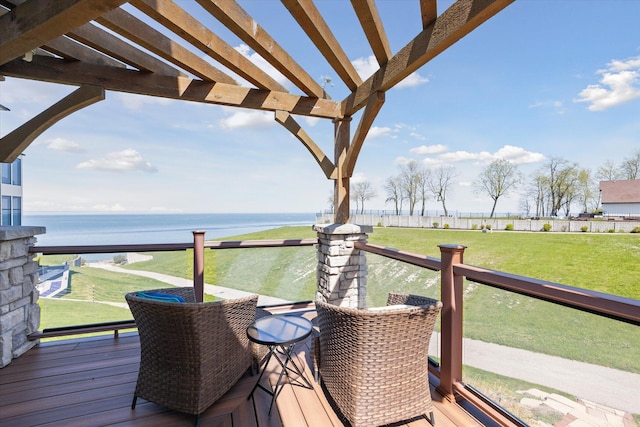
(19, 309)
(342, 269)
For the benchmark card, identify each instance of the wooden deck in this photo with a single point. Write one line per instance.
(90, 382)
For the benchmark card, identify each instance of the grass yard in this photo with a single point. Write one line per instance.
(604, 262)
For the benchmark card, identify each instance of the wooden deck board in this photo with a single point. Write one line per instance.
(86, 382)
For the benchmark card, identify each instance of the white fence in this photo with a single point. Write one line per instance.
(557, 225)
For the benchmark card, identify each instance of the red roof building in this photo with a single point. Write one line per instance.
(620, 198)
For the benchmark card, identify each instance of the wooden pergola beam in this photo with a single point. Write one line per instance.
(13, 144)
(69, 49)
(286, 120)
(33, 23)
(456, 22)
(366, 121)
(172, 16)
(311, 21)
(372, 25)
(182, 88)
(248, 30)
(153, 40)
(428, 11)
(115, 47)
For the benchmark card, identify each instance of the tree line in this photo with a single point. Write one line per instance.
(550, 191)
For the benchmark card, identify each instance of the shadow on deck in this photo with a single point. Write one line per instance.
(90, 382)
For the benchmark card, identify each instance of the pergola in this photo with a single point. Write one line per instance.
(141, 47)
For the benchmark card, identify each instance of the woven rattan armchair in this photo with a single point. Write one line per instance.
(190, 353)
(374, 363)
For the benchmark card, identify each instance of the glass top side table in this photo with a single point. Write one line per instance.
(280, 333)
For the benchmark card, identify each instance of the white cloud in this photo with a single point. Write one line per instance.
(416, 135)
(412, 80)
(517, 155)
(465, 184)
(263, 64)
(134, 102)
(378, 132)
(358, 177)
(369, 65)
(426, 150)
(557, 106)
(61, 144)
(459, 156)
(128, 160)
(243, 119)
(113, 208)
(620, 83)
(366, 66)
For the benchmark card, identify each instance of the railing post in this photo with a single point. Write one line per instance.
(198, 265)
(451, 320)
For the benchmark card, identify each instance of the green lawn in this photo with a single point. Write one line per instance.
(605, 262)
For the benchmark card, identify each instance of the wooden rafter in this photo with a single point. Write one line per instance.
(69, 49)
(429, 12)
(13, 144)
(456, 22)
(327, 166)
(312, 22)
(33, 23)
(183, 88)
(249, 31)
(366, 121)
(151, 39)
(372, 25)
(110, 45)
(172, 16)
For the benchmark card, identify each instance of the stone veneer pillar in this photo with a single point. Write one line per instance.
(19, 309)
(342, 269)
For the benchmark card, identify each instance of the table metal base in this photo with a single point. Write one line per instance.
(287, 352)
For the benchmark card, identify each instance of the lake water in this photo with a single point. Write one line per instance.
(65, 230)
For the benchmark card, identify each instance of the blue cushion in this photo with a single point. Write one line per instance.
(159, 296)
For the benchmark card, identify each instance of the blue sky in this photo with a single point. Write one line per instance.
(542, 79)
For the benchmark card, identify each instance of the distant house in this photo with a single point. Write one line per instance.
(11, 193)
(620, 198)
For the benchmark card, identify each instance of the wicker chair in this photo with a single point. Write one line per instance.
(373, 363)
(191, 353)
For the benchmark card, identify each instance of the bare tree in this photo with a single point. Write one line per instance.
(537, 192)
(587, 191)
(409, 175)
(440, 182)
(422, 177)
(608, 172)
(395, 194)
(361, 192)
(497, 179)
(562, 179)
(631, 167)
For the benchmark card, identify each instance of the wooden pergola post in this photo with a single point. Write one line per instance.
(341, 183)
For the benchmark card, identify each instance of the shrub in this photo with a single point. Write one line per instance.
(584, 228)
(546, 227)
(436, 224)
(509, 227)
(379, 224)
(635, 230)
(446, 226)
(119, 259)
(488, 226)
(475, 227)
(611, 230)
